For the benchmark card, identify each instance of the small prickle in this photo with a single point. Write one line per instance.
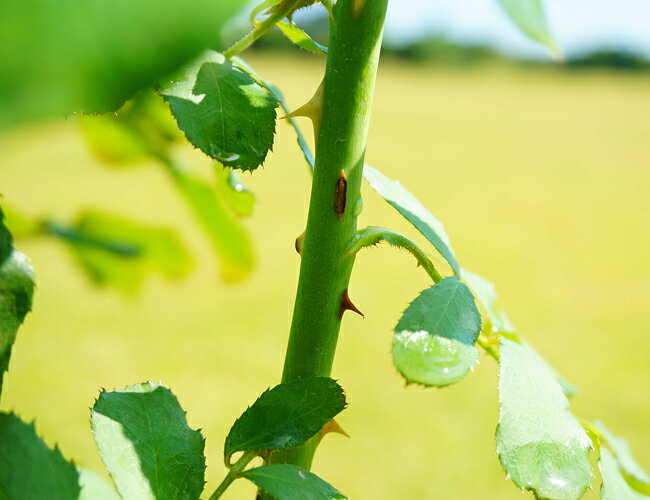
(347, 305)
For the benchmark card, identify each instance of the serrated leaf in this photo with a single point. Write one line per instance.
(413, 211)
(16, 292)
(95, 487)
(300, 38)
(530, 18)
(29, 469)
(286, 416)
(224, 111)
(146, 444)
(120, 252)
(76, 55)
(434, 340)
(541, 446)
(568, 389)
(614, 486)
(228, 236)
(630, 466)
(289, 482)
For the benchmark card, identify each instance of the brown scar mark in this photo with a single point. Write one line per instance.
(340, 195)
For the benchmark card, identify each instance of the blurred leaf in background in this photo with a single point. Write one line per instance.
(75, 55)
(120, 252)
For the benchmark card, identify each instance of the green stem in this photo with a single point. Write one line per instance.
(372, 235)
(233, 473)
(261, 29)
(326, 266)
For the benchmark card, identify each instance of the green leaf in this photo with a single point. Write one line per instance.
(434, 340)
(300, 38)
(79, 55)
(568, 389)
(227, 235)
(29, 470)
(95, 487)
(288, 482)
(530, 18)
(621, 449)
(146, 444)
(6, 240)
(120, 252)
(614, 486)
(411, 209)
(16, 292)
(541, 446)
(286, 416)
(224, 111)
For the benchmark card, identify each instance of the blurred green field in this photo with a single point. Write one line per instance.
(542, 179)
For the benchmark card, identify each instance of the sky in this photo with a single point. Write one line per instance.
(579, 25)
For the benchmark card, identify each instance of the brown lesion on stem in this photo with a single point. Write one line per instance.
(340, 195)
(357, 7)
(347, 305)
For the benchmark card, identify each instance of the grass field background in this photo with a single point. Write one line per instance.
(542, 179)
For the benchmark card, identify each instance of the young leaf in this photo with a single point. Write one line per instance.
(224, 111)
(227, 235)
(434, 340)
(568, 389)
(76, 55)
(540, 444)
(621, 450)
(289, 482)
(413, 211)
(286, 416)
(119, 252)
(95, 487)
(29, 470)
(146, 444)
(16, 291)
(300, 38)
(614, 486)
(530, 18)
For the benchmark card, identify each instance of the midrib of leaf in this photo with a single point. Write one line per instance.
(221, 113)
(446, 307)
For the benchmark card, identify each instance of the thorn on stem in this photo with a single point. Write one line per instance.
(331, 426)
(312, 109)
(347, 305)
